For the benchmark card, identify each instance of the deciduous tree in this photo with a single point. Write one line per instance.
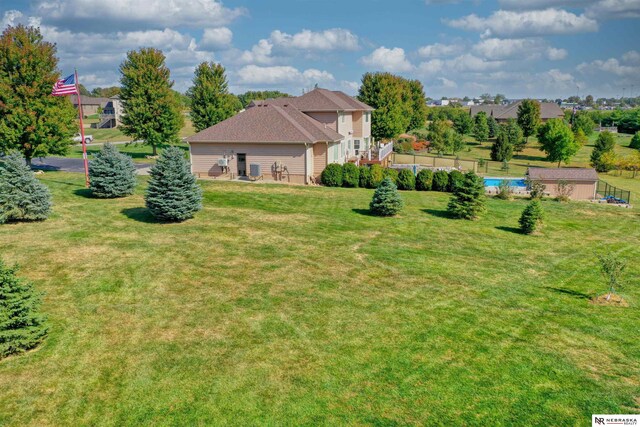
(529, 117)
(481, 127)
(557, 141)
(603, 150)
(211, 101)
(388, 95)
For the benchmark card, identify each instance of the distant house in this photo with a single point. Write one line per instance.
(90, 105)
(287, 139)
(584, 181)
(502, 113)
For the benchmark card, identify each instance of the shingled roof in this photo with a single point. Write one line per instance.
(268, 123)
(326, 100)
(548, 110)
(568, 174)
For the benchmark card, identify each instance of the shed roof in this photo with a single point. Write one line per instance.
(268, 123)
(569, 174)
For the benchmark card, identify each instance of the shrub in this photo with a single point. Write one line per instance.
(365, 177)
(424, 180)
(112, 174)
(377, 175)
(440, 181)
(406, 180)
(505, 190)
(386, 199)
(612, 267)
(467, 201)
(635, 141)
(392, 174)
(22, 196)
(455, 179)
(565, 190)
(173, 193)
(332, 175)
(21, 326)
(536, 189)
(350, 175)
(531, 218)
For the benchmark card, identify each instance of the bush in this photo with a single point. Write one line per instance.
(112, 174)
(536, 189)
(22, 196)
(455, 179)
(386, 199)
(531, 218)
(332, 175)
(424, 180)
(377, 175)
(635, 141)
(21, 326)
(467, 201)
(406, 180)
(392, 174)
(565, 190)
(440, 181)
(350, 175)
(365, 177)
(173, 193)
(505, 190)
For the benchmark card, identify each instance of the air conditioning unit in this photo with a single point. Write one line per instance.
(223, 162)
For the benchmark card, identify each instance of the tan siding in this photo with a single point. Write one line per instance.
(319, 158)
(204, 159)
(330, 119)
(582, 190)
(357, 124)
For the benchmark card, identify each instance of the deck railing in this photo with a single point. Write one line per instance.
(385, 151)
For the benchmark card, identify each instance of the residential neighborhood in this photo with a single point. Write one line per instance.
(232, 212)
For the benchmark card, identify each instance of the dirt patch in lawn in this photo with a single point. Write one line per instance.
(614, 300)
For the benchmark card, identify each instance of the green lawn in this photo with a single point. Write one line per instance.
(290, 305)
(138, 152)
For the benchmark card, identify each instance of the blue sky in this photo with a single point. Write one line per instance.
(539, 48)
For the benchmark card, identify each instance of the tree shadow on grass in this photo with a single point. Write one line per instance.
(438, 213)
(84, 192)
(514, 230)
(365, 212)
(569, 292)
(141, 215)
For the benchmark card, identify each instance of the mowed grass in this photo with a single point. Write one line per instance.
(289, 305)
(137, 151)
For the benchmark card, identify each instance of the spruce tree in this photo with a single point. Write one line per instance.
(635, 141)
(112, 174)
(21, 326)
(22, 196)
(468, 199)
(173, 193)
(532, 217)
(386, 199)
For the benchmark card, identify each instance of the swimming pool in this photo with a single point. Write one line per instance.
(513, 182)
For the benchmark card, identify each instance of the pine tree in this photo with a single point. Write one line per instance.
(509, 139)
(386, 199)
(481, 128)
(151, 109)
(173, 193)
(532, 217)
(21, 326)
(528, 117)
(211, 101)
(31, 120)
(22, 196)
(635, 141)
(494, 127)
(468, 200)
(112, 174)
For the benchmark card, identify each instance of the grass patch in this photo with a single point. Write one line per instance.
(287, 305)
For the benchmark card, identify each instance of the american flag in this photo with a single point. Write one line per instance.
(65, 86)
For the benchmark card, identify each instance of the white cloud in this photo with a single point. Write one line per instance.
(439, 50)
(614, 9)
(349, 86)
(107, 16)
(466, 63)
(555, 54)
(542, 4)
(392, 60)
(278, 75)
(527, 23)
(611, 65)
(633, 56)
(494, 48)
(216, 38)
(328, 40)
(447, 84)
(259, 54)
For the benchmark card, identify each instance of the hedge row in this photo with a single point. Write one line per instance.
(349, 175)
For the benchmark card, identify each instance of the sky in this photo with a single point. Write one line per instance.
(520, 48)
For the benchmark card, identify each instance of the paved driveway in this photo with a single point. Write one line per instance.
(74, 165)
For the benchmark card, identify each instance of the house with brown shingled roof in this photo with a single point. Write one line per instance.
(285, 139)
(502, 113)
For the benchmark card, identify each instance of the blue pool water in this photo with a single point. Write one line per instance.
(513, 182)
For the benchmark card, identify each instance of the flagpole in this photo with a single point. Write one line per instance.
(84, 145)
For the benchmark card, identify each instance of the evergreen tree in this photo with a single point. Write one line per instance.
(406, 180)
(494, 127)
(468, 200)
(388, 95)
(350, 175)
(22, 196)
(386, 199)
(509, 138)
(603, 149)
(532, 216)
(635, 141)
(111, 173)
(211, 101)
(151, 109)
(557, 140)
(32, 121)
(529, 117)
(173, 193)
(424, 180)
(481, 128)
(21, 326)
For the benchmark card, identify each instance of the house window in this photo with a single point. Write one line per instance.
(356, 146)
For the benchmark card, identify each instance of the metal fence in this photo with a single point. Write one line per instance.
(435, 161)
(615, 194)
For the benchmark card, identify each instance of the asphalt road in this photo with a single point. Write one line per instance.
(74, 165)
